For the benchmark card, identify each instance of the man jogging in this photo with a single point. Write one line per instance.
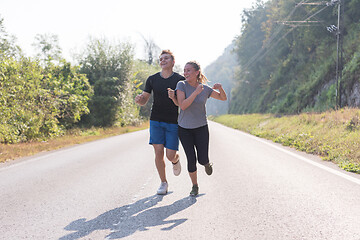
(164, 115)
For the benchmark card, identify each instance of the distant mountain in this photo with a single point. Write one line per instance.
(221, 71)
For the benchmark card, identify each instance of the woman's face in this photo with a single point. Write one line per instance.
(190, 73)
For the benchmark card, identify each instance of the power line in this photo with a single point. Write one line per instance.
(331, 3)
(254, 58)
(259, 55)
(295, 24)
(339, 58)
(321, 22)
(307, 19)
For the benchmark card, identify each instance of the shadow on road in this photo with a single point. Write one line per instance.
(126, 220)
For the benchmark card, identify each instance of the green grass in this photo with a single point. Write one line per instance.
(9, 152)
(333, 135)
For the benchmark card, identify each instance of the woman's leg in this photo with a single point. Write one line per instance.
(187, 141)
(202, 144)
(193, 177)
(186, 137)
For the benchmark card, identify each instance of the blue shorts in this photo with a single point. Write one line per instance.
(164, 133)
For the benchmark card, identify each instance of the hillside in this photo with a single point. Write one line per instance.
(287, 58)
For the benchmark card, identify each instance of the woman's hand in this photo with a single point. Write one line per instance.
(220, 94)
(217, 86)
(171, 93)
(199, 89)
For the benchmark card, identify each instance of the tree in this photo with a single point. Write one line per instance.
(108, 67)
(289, 68)
(38, 103)
(142, 70)
(8, 47)
(48, 48)
(70, 90)
(151, 50)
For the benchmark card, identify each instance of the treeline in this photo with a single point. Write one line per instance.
(287, 54)
(44, 96)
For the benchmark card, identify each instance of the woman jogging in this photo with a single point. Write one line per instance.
(192, 95)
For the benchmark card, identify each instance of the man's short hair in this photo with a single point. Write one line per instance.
(167, 51)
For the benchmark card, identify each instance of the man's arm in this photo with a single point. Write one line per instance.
(142, 98)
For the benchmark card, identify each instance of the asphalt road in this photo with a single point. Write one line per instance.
(106, 190)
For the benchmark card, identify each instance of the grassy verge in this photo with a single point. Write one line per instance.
(73, 137)
(333, 135)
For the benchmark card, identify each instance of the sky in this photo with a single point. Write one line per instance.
(192, 29)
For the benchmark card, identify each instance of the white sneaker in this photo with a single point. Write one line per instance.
(177, 168)
(163, 189)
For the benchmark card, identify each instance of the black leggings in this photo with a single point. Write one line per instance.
(191, 139)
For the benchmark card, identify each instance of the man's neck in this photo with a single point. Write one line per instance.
(166, 73)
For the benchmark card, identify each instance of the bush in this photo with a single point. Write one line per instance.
(38, 103)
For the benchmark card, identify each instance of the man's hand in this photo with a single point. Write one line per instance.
(142, 98)
(139, 98)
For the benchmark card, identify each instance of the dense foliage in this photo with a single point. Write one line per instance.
(290, 67)
(142, 70)
(43, 96)
(37, 102)
(108, 68)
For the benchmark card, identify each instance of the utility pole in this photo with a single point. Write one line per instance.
(339, 40)
(339, 55)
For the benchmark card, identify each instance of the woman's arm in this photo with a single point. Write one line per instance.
(171, 94)
(185, 103)
(221, 95)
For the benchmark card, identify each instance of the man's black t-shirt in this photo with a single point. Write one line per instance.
(163, 108)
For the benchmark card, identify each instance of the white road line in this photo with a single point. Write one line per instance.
(34, 159)
(333, 171)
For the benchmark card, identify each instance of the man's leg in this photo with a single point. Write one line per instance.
(171, 142)
(159, 161)
(172, 155)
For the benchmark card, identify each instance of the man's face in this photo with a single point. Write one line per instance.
(166, 61)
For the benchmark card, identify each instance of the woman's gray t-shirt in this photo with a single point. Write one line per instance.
(195, 115)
